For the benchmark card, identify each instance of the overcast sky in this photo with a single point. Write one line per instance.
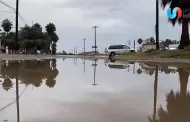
(127, 20)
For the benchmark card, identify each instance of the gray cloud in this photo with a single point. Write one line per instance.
(128, 20)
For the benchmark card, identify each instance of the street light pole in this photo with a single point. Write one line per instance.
(157, 24)
(84, 45)
(17, 5)
(95, 47)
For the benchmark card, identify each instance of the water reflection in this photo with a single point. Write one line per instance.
(30, 72)
(84, 65)
(120, 65)
(17, 97)
(114, 100)
(178, 104)
(149, 68)
(94, 65)
(155, 96)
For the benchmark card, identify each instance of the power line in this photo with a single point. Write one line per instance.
(117, 4)
(7, 5)
(14, 11)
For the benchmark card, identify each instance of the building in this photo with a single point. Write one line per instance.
(173, 46)
(145, 47)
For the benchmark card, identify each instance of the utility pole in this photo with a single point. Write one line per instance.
(17, 96)
(76, 49)
(17, 5)
(129, 44)
(155, 93)
(84, 62)
(95, 65)
(157, 25)
(95, 47)
(134, 45)
(84, 45)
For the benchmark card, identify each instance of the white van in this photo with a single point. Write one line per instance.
(113, 50)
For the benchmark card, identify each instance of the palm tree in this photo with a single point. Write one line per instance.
(6, 25)
(50, 28)
(37, 26)
(183, 77)
(140, 41)
(185, 29)
(54, 38)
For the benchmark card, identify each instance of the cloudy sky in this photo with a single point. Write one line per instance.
(118, 20)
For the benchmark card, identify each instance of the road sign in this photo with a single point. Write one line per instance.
(94, 64)
(94, 47)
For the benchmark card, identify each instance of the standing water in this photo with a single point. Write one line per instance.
(80, 90)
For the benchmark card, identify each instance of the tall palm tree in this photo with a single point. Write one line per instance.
(184, 21)
(50, 28)
(6, 25)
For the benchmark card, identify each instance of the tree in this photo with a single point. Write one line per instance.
(6, 25)
(64, 52)
(168, 42)
(184, 21)
(37, 26)
(54, 38)
(139, 71)
(140, 41)
(32, 39)
(50, 28)
(152, 40)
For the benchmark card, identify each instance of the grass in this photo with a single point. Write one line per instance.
(172, 54)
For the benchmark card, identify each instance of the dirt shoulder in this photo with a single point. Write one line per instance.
(26, 57)
(175, 56)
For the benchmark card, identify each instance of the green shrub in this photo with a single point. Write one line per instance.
(151, 50)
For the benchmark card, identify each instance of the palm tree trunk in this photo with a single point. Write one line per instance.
(183, 77)
(184, 42)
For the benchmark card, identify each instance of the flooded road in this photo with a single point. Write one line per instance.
(79, 90)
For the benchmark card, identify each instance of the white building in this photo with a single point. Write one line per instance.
(145, 47)
(173, 46)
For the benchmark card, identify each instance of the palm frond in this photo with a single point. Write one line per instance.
(164, 3)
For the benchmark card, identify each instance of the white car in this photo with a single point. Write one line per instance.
(116, 65)
(113, 50)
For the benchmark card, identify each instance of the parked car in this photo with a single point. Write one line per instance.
(113, 50)
(116, 65)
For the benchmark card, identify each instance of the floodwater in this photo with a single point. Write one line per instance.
(79, 90)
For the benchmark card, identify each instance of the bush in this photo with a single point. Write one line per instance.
(151, 50)
(70, 54)
(187, 48)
